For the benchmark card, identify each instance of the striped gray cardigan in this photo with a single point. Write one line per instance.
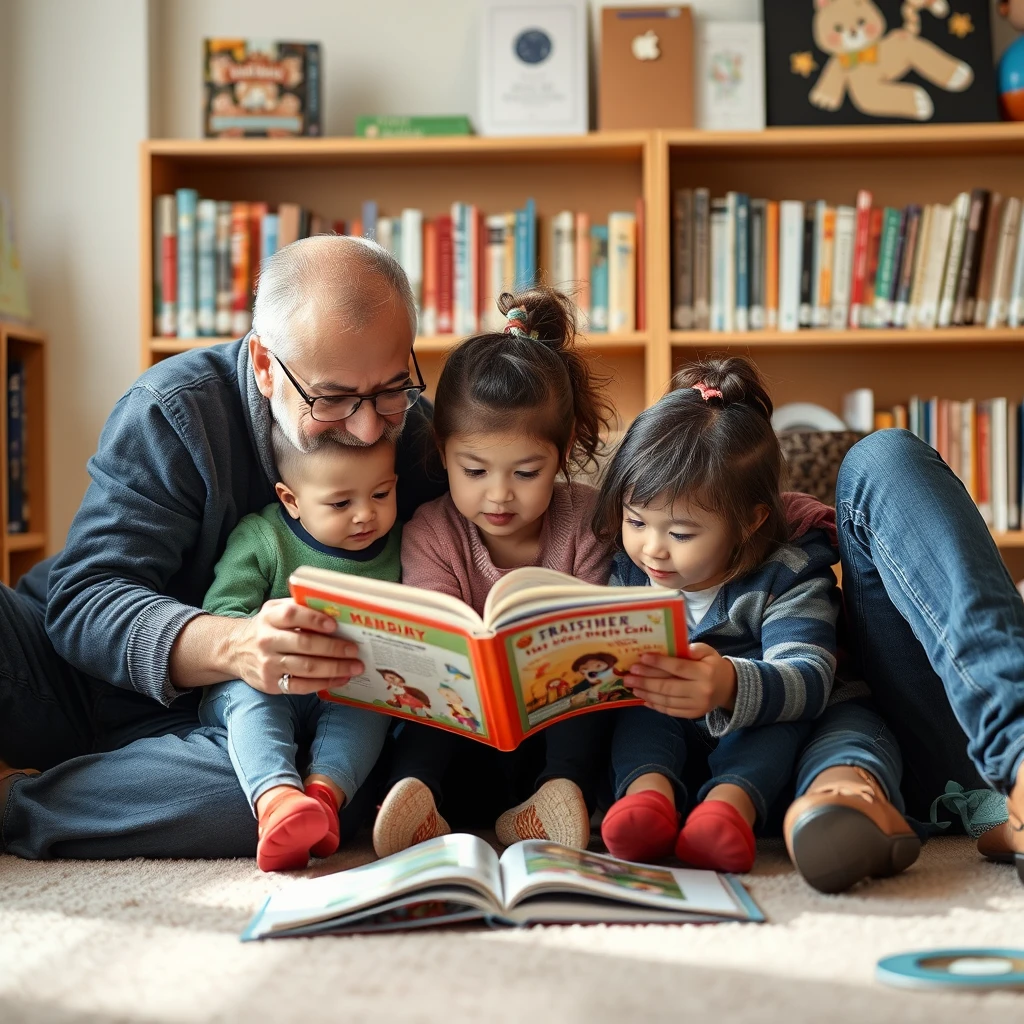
(777, 625)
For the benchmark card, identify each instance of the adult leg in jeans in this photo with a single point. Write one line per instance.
(847, 822)
(937, 627)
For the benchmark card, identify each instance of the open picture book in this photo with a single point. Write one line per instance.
(458, 878)
(547, 646)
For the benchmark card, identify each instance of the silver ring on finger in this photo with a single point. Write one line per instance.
(284, 683)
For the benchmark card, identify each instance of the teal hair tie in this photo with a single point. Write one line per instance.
(517, 324)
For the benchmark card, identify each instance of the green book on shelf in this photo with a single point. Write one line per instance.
(395, 127)
(886, 266)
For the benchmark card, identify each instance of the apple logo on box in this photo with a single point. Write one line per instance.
(645, 47)
(533, 46)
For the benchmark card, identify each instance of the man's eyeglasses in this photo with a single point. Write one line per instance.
(332, 408)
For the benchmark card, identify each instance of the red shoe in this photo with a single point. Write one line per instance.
(641, 827)
(289, 826)
(717, 836)
(330, 842)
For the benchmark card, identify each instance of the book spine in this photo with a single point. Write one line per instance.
(240, 319)
(412, 257)
(906, 271)
(460, 267)
(718, 258)
(289, 218)
(530, 264)
(222, 317)
(842, 267)
(963, 309)
(369, 219)
(1013, 453)
(860, 257)
(257, 212)
(563, 250)
(942, 430)
(771, 266)
(968, 433)
(428, 325)
(622, 272)
(522, 243)
(886, 266)
(701, 259)
(826, 263)
(640, 285)
(167, 228)
(807, 266)
(741, 315)
(955, 439)
(758, 212)
(791, 240)
(990, 244)
(480, 263)
(1002, 274)
(983, 462)
(729, 268)
(445, 276)
(924, 242)
(582, 261)
(682, 259)
(1015, 314)
(941, 227)
(187, 198)
(269, 227)
(954, 259)
(871, 280)
(1000, 469)
(599, 277)
(206, 276)
(15, 439)
(496, 272)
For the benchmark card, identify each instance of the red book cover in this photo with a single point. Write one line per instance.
(860, 255)
(356, 228)
(428, 324)
(445, 275)
(641, 268)
(583, 264)
(874, 251)
(338, 227)
(983, 462)
(240, 268)
(168, 283)
(257, 211)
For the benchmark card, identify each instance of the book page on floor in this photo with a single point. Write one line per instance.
(546, 647)
(459, 878)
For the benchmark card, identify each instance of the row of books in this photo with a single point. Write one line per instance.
(981, 441)
(207, 255)
(17, 435)
(743, 264)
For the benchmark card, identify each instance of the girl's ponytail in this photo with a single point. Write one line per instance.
(734, 378)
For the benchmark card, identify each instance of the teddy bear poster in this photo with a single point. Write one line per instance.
(879, 61)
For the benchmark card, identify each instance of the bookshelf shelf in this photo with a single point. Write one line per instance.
(1013, 539)
(25, 348)
(603, 172)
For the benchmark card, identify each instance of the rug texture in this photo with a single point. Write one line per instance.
(157, 941)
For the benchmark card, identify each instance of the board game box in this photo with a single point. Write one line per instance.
(256, 87)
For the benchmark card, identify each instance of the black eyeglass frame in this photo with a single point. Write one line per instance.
(359, 399)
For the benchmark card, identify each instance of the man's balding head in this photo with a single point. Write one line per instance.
(321, 287)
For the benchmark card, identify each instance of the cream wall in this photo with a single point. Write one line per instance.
(82, 81)
(78, 103)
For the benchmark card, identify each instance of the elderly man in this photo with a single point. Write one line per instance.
(185, 454)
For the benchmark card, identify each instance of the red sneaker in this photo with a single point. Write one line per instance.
(642, 826)
(717, 836)
(289, 826)
(329, 843)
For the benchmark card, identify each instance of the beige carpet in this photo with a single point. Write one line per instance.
(158, 941)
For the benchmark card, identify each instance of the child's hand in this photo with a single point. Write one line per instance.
(684, 687)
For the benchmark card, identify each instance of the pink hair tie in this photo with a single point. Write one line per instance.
(706, 392)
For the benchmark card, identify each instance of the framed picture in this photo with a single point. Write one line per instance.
(730, 76)
(879, 61)
(533, 67)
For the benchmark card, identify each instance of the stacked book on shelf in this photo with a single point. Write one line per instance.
(982, 441)
(749, 264)
(17, 435)
(207, 255)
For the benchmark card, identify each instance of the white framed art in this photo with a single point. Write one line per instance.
(730, 76)
(533, 67)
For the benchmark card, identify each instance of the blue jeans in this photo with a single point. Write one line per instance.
(936, 624)
(263, 732)
(761, 761)
(938, 633)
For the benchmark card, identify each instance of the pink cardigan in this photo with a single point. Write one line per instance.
(442, 551)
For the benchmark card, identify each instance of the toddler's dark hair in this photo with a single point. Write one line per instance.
(720, 453)
(491, 380)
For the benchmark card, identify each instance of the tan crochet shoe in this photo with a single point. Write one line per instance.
(408, 816)
(557, 811)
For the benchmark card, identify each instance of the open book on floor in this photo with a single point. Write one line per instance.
(459, 878)
(547, 646)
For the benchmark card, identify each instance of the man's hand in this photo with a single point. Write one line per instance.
(281, 637)
(684, 687)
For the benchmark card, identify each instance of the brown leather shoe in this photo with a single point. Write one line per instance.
(1005, 843)
(841, 832)
(8, 776)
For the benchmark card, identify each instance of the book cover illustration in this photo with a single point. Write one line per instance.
(865, 62)
(261, 88)
(730, 76)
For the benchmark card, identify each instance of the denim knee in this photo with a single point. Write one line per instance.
(878, 453)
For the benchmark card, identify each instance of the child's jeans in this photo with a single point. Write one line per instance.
(263, 731)
(761, 761)
(575, 749)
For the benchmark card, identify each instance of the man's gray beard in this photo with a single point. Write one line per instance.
(333, 436)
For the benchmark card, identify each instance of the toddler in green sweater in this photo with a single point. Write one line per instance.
(336, 511)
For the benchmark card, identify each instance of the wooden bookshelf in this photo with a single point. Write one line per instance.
(20, 551)
(602, 172)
